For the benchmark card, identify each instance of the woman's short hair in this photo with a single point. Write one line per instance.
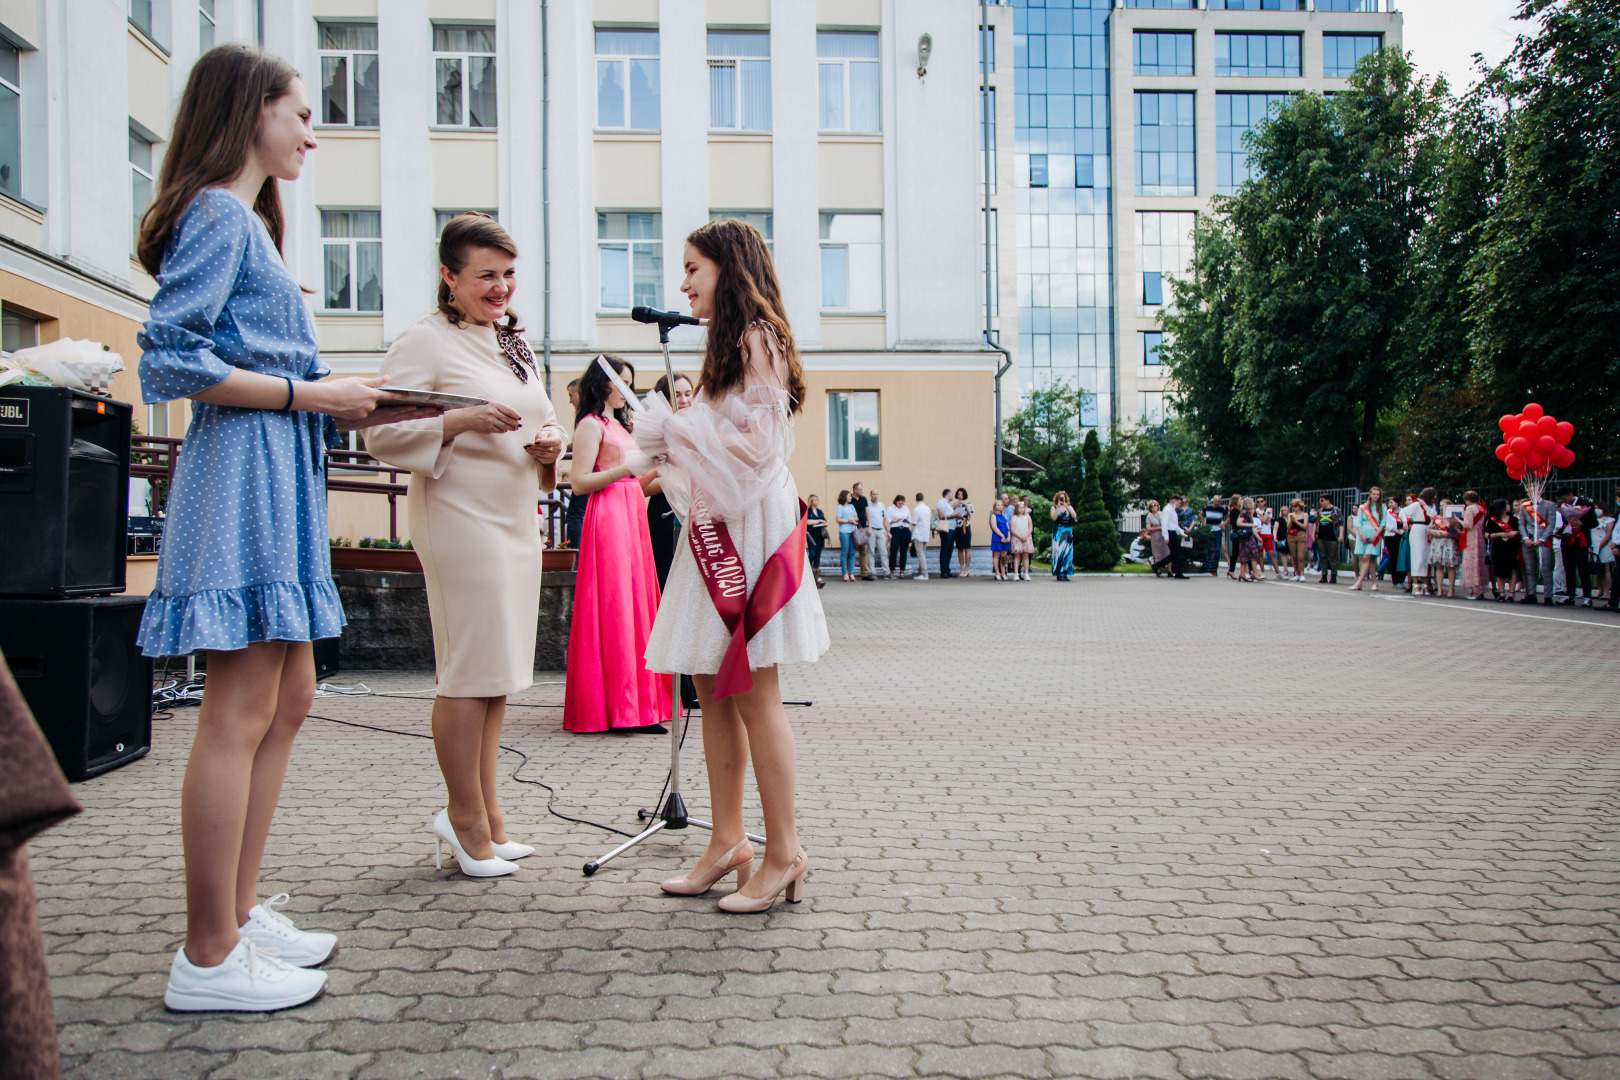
(1471, 496)
(1064, 495)
(843, 497)
(1297, 504)
(1153, 504)
(661, 387)
(962, 492)
(1248, 504)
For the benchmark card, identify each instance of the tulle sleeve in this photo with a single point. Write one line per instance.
(199, 272)
(734, 450)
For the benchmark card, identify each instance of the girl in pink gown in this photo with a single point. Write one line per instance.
(616, 585)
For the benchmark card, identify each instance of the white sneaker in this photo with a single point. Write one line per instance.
(249, 980)
(270, 929)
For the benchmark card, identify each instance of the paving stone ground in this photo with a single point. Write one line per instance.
(1114, 828)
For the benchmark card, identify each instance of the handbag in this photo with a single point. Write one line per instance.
(862, 536)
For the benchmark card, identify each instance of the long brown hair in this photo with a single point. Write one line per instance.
(462, 234)
(215, 129)
(747, 293)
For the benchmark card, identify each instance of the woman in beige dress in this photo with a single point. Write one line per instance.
(476, 478)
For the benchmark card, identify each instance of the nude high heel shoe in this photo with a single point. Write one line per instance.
(792, 881)
(740, 858)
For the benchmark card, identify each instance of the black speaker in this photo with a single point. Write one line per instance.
(79, 669)
(326, 658)
(64, 492)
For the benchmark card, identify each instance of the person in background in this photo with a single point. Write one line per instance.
(815, 537)
(1502, 530)
(662, 525)
(1395, 550)
(1266, 523)
(573, 394)
(1418, 515)
(1575, 522)
(1063, 521)
(844, 514)
(1603, 552)
(1234, 507)
(877, 522)
(1215, 522)
(1170, 526)
(1538, 521)
(1471, 545)
(575, 514)
(999, 545)
(1612, 549)
(863, 551)
(1153, 531)
(1297, 530)
(1443, 533)
(921, 525)
(1021, 531)
(1246, 539)
(1366, 531)
(945, 525)
(897, 522)
(1327, 521)
(964, 531)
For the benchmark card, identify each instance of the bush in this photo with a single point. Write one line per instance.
(1096, 537)
(366, 541)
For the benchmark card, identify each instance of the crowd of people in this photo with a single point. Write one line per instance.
(1533, 550)
(878, 539)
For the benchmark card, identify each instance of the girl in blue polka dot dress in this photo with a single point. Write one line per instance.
(245, 573)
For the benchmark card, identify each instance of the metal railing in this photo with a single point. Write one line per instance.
(154, 457)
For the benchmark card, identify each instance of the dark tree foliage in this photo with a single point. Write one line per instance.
(1153, 463)
(1543, 299)
(1096, 537)
(1046, 429)
(1441, 437)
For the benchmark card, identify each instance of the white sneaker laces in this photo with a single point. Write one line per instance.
(268, 955)
(276, 918)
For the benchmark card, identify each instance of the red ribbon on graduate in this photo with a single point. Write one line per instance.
(742, 612)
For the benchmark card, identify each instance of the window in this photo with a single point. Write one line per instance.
(763, 220)
(1342, 52)
(10, 118)
(148, 16)
(140, 181)
(1085, 166)
(441, 218)
(17, 331)
(852, 427)
(1260, 5)
(1346, 5)
(1163, 247)
(464, 76)
(352, 249)
(1235, 116)
(157, 422)
(1037, 170)
(987, 136)
(1257, 55)
(349, 74)
(852, 262)
(740, 80)
(630, 254)
(849, 91)
(627, 80)
(1151, 407)
(987, 48)
(994, 223)
(1185, 5)
(1165, 157)
(1160, 52)
(206, 23)
(1152, 341)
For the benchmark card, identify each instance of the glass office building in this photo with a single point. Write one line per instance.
(1130, 117)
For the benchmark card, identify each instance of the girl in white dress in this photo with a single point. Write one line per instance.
(731, 449)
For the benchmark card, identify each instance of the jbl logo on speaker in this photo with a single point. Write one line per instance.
(14, 412)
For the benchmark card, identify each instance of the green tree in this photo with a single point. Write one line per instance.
(1096, 537)
(1544, 282)
(1325, 280)
(1046, 429)
(1153, 462)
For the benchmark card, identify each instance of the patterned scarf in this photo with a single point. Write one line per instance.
(518, 355)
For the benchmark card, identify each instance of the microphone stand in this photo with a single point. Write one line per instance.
(672, 815)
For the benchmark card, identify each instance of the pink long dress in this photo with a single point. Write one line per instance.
(1474, 574)
(615, 603)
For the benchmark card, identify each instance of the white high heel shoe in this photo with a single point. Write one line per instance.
(512, 850)
(444, 833)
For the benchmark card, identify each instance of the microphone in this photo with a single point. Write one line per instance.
(662, 318)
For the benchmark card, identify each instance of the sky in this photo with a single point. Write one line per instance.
(1443, 35)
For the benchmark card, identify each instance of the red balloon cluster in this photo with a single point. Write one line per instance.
(1533, 442)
